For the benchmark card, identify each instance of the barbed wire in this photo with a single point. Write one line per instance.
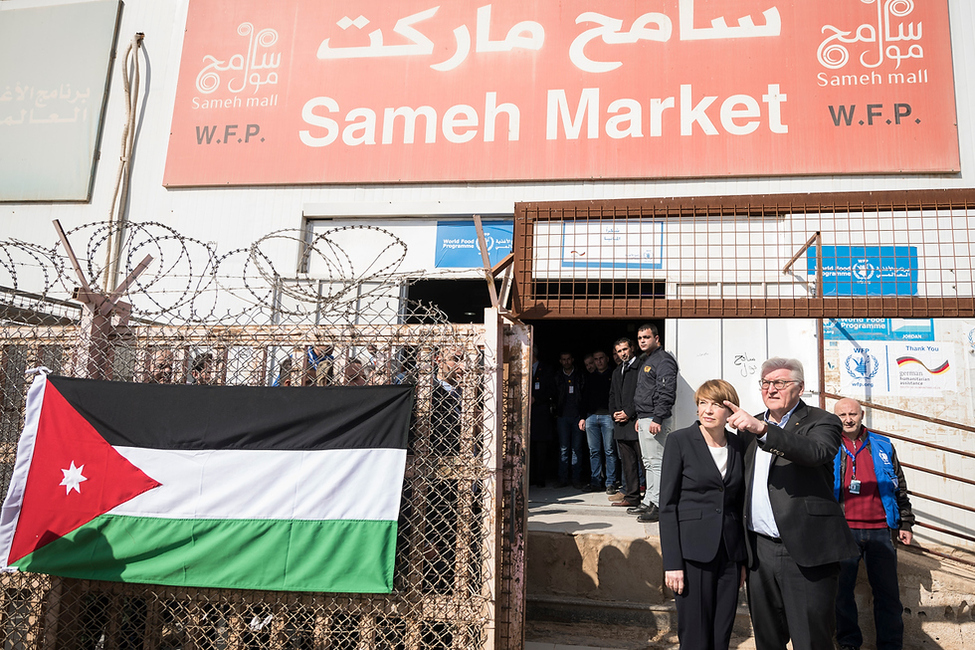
(344, 274)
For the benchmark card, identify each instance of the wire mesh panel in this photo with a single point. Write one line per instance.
(839, 255)
(461, 496)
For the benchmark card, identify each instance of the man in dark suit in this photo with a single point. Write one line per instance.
(797, 533)
(621, 390)
(542, 423)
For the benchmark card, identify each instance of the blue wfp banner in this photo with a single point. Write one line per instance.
(878, 329)
(457, 243)
(866, 270)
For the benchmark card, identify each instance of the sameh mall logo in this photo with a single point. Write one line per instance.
(251, 70)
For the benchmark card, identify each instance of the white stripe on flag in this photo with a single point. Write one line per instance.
(10, 515)
(364, 484)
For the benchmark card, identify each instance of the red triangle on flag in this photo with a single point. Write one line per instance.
(74, 476)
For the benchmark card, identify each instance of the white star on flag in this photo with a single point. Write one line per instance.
(73, 478)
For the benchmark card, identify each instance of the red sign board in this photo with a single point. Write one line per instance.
(325, 91)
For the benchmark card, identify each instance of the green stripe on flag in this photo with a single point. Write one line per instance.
(281, 555)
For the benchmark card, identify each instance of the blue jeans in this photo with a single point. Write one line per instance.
(880, 557)
(599, 432)
(571, 440)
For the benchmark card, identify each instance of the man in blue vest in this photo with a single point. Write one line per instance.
(869, 484)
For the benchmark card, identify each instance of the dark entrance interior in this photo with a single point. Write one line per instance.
(462, 300)
(581, 337)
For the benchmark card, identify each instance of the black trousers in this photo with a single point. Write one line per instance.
(706, 610)
(631, 465)
(788, 601)
(540, 457)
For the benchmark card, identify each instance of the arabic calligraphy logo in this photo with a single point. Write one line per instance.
(864, 270)
(862, 366)
(834, 54)
(208, 80)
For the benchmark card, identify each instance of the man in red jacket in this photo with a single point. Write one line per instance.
(870, 485)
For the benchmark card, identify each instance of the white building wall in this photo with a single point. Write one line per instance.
(235, 217)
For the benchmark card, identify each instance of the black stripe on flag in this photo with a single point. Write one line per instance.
(178, 416)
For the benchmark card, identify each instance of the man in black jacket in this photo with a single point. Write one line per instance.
(656, 392)
(542, 423)
(797, 534)
(621, 390)
(597, 422)
(570, 383)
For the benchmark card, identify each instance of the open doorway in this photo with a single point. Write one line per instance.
(462, 300)
(581, 337)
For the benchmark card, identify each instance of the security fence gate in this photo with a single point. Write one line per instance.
(458, 579)
(737, 275)
(840, 255)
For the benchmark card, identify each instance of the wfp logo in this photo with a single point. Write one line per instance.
(488, 241)
(862, 366)
(864, 270)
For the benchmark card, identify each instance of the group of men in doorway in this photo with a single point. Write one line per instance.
(622, 412)
(822, 491)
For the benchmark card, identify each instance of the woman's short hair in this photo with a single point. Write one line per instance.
(717, 390)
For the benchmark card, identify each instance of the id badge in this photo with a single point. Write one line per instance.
(538, 385)
(572, 389)
(854, 486)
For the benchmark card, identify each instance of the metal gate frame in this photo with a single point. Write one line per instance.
(485, 610)
(738, 219)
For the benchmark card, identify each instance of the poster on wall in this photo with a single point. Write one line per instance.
(611, 245)
(878, 329)
(53, 85)
(901, 368)
(866, 270)
(333, 91)
(458, 248)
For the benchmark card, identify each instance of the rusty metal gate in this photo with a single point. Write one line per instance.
(744, 256)
(867, 255)
(458, 581)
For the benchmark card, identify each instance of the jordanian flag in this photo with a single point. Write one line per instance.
(290, 489)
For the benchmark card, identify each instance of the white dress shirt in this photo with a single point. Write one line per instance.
(762, 519)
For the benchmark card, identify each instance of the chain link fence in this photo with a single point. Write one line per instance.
(191, 316)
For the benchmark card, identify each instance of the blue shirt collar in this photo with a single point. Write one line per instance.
(785, 418)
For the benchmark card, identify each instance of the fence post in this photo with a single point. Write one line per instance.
(493, 459)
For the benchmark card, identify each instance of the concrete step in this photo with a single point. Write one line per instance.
(561, 636)
(614, 624)
(592, 636)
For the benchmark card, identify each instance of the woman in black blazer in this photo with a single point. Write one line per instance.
(701, 534)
